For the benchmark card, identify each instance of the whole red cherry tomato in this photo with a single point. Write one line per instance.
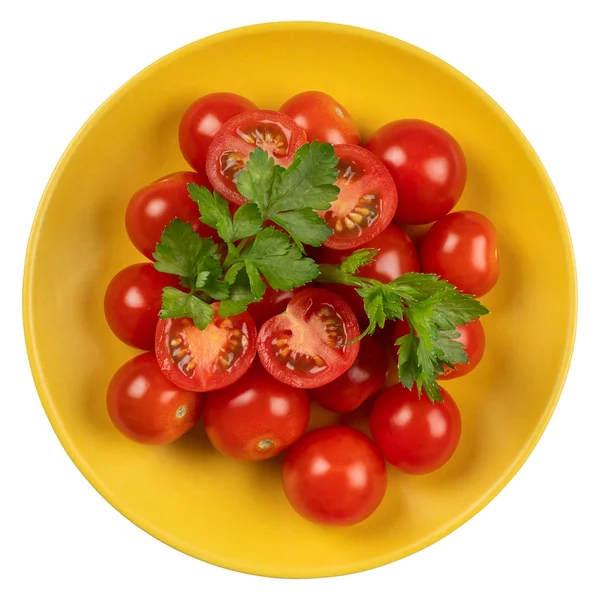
(256, 417)
(334, 475)
(463, 249)
(472, 336)
(203, 120)
(415, 434)
(322, 117)
(428, 167)
(146, 407)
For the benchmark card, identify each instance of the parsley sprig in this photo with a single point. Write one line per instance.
(431, 307)
(256, 253)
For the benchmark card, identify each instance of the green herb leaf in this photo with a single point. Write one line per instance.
(307, 182)
(359, 258)
(177, 304)
(214, 211)
(304, 226)
(256, 180)
(247, 221)
(273, 254)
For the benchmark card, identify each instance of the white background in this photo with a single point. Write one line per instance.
(60, 60)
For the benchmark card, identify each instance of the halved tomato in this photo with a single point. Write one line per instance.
(209, 359)
(367, 200)
(307, 345)
(228, 152)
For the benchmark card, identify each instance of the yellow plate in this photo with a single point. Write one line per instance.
(235, 515)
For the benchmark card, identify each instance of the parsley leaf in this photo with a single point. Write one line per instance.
(214, 211)
(304, 226)
(247, 221)
(177, 304)
(358, 259)
(273, 255)
(256, 180)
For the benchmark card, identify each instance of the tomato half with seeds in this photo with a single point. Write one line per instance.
(272, 303)
(367, 200)
(305, 346)
(154, 206)
(228, 153)
(203, 120)
(322, 117)
(146, 407)
(257, 417)
(208, 359)
(366, 376)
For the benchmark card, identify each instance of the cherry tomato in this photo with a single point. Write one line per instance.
(472, 336)
(414, 434)
(305, 346)
(397, 255)
(154, 206)
(334, 475)
(132, 302)
(256, 417)
(366, 202)
(209, 359)
(146, 407)
(463, 248)
(229, 151)
(428, 167)
(322, 117)
(272, 303)
(365, 377)
(203, 120)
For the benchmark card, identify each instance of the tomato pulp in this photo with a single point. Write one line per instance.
(209, 359)
(306, 346)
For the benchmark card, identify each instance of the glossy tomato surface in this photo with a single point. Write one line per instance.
(228, 153)
(322, 117)
(146, 407)
(366, 202)
(305, 346)
(472, 336)
(428, 167)
(154, 206)
(397, 255)
(366, 376)
(335, 476)
(463, 249)
(209, 359)
(203, 120)
(415, 434)
(132, 302)
(256, 417)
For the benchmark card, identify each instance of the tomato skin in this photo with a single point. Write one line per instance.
(255, 418)
(428, 167)
(154, 206)
(305, 346)
(367, 200)
(146, 407)
(414, 434)
(472, 336)
(202, 361)
(322, 117)
(273, 303)
(397, 255)
(366, 376)
(463, 249)
(270, 130)
(203, 120)
(334, 476)
(132, 302)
